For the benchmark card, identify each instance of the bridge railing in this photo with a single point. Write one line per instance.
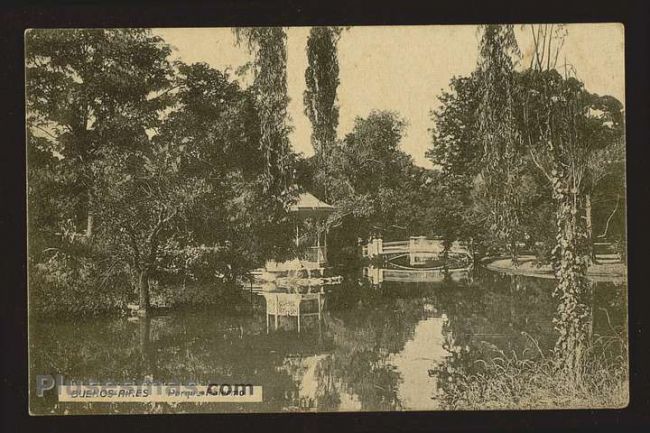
(395, 247)
(416, 244)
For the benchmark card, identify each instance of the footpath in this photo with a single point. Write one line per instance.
(527, 266)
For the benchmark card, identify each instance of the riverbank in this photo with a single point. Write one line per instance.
(527, 266)
(82, 300)
(508, 382)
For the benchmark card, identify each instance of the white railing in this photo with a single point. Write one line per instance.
(395, 247)
(416, 244)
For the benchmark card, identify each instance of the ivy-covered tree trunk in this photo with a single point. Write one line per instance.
(589, 228)
(570, 266)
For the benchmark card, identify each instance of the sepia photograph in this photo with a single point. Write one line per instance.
(326, 219)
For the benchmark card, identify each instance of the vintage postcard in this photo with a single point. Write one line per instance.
(326, 219)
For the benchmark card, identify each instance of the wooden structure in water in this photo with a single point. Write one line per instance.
(311, 244)
(309, 265)
(297, 305)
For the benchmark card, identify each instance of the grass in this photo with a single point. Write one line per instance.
(506, 381)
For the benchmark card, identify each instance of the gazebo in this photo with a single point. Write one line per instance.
(311, 244)
(308, 268)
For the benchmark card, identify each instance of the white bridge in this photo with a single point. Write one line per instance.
(419, 247)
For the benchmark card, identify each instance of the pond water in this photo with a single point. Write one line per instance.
(377, 344)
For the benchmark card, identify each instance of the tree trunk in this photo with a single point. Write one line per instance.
(514, 254)
(589, 226)
(570, 268)
(446, 247)
(473, 252)
(143, 285)
(89, 225)
(145, 342)
(89, 216)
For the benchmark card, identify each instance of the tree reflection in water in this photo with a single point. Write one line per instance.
(508, 319)
(359, 361)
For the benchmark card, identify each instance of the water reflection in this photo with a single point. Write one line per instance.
(356, 346)
(302, 306)
(414, 361)
(377, 275)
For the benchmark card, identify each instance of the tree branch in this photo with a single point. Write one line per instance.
(610, 218)
(538, 164)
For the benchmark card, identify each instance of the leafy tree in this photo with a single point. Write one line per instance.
(456, 149)
(502, 162)
(605, 180)
(218, 117)
(546, 145)
(371, 173)
(457, 152)
(190, 202)
(88, 89)
(164, 152)
(147, 197)
(219, 125)
(88, 95)
(48, 190)
(268, 46)
(432, 205)
(564, 125)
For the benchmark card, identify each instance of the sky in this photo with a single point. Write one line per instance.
(403, 69)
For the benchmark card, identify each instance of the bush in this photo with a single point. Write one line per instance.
(196, 294)
(506, 381)
(69, 284)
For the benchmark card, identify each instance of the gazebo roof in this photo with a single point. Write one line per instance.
(307, 202)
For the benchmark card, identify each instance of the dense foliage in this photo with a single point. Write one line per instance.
(501, 164)
(543, 143)
(146, 171)
(147, 175)
(269, 48)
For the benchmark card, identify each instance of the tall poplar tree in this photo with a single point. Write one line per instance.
(322, 81)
